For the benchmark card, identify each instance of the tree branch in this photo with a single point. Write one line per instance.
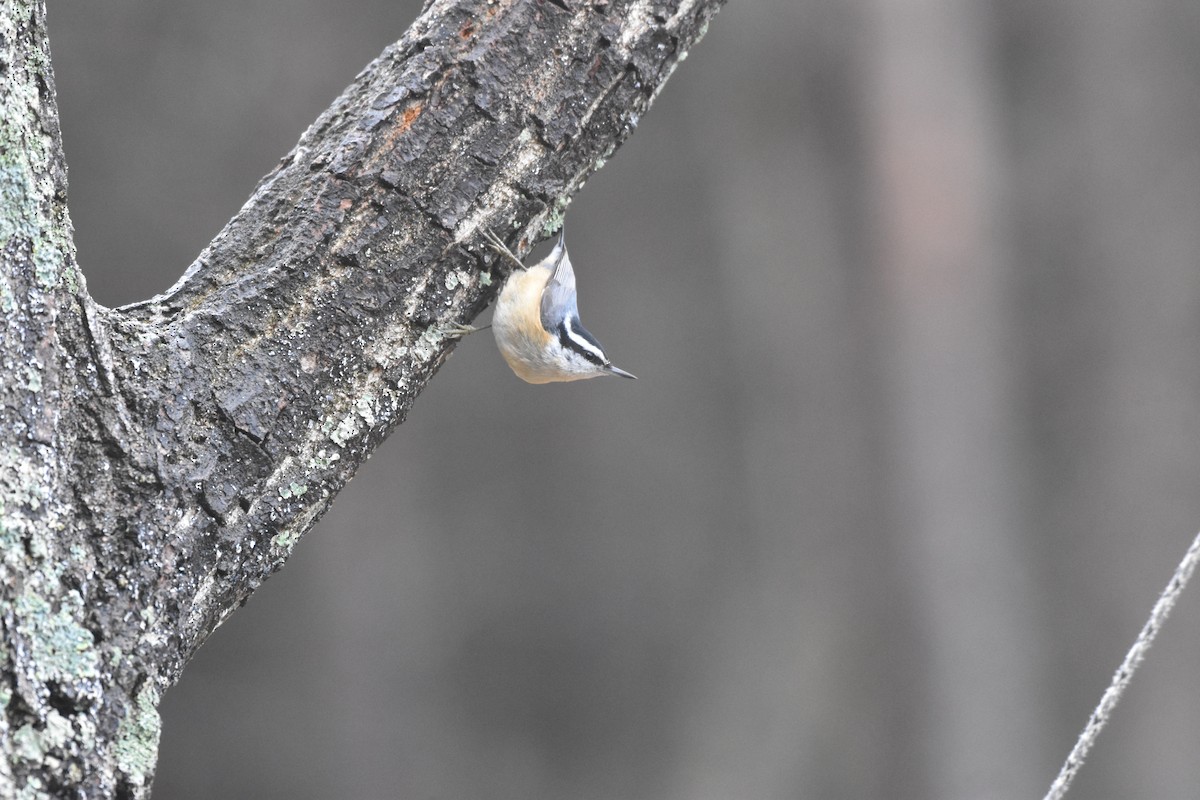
(1124, 674)
(159, 461)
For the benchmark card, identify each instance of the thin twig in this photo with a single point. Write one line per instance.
(1124, 674)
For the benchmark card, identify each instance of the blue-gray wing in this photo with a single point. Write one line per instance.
(558, 298)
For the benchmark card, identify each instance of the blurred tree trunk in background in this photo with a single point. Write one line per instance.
(955, 438)
(1104, 142)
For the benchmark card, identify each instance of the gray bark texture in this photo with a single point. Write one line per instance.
(159, 461)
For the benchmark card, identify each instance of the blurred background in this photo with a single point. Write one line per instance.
(913, 290)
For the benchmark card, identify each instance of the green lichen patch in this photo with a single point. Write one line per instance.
(344, 430)
(5, 686)
(427, 344)
(284, 541)
(25, 514)
(554, 220)
(47, 260)
(33, 789)
(8, 300)
(59, 648)
(57, 731)
(18, 217)
(31, 744)
(293, 490)
(22, 218)
(136, 748)
(323, 459)
(27, 744)
(31, 210)
(33, 377)
(9, 540)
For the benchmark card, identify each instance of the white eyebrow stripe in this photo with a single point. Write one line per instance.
(581, 342)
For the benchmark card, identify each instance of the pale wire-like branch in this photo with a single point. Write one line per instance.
(1124, 674)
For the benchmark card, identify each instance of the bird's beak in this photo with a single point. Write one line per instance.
(618, 371)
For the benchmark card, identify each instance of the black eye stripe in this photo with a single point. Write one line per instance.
(573, 346)
(575, 338)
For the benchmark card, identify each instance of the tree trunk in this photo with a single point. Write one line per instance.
(159, 461)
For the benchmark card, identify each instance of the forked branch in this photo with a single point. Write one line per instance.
(159, 461)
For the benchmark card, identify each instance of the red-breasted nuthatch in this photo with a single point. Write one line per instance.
(536, 321)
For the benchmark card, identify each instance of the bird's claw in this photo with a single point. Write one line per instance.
(500, 247)
(455, 330)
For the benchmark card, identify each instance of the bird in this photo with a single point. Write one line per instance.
(536, 321)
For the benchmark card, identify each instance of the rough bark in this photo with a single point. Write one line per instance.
(159, 461)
